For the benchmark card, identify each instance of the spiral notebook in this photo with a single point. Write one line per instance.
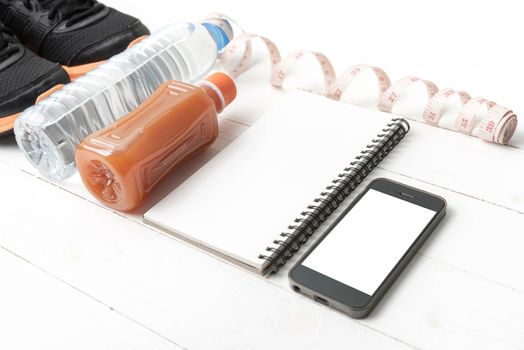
(263, 196)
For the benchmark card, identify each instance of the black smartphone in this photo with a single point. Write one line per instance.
(362, 253)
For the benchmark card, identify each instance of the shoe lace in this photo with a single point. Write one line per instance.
(71, 11)
(6, 47)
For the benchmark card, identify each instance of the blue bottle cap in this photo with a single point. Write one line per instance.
(219, 34)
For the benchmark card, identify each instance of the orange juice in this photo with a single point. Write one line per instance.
(123, 162)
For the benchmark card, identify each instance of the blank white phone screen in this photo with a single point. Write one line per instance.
(369, 241)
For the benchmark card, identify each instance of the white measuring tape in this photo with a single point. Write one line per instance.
(497, 126)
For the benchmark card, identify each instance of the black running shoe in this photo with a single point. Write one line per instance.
(78, 34)
(24, 77)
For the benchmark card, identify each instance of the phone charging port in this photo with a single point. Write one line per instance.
(320, 300)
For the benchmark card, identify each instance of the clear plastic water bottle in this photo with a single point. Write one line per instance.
(50, 132)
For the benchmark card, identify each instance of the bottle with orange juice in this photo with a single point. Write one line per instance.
(122, 163)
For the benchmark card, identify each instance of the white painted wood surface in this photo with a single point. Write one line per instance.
(78, 275)
(39, 311)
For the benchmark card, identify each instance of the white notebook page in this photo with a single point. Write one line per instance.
(242, 199)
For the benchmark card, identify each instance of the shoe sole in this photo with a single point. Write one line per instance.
(7, 123)
(74, 72)
(77, 71)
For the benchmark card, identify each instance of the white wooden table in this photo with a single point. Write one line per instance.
(75, 274)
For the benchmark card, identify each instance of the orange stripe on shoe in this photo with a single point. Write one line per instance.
(7, 123)
(48, 93)
(137, 40)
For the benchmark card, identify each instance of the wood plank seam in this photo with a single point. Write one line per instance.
(452, 190)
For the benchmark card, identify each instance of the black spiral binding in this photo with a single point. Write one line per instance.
(341, 187)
